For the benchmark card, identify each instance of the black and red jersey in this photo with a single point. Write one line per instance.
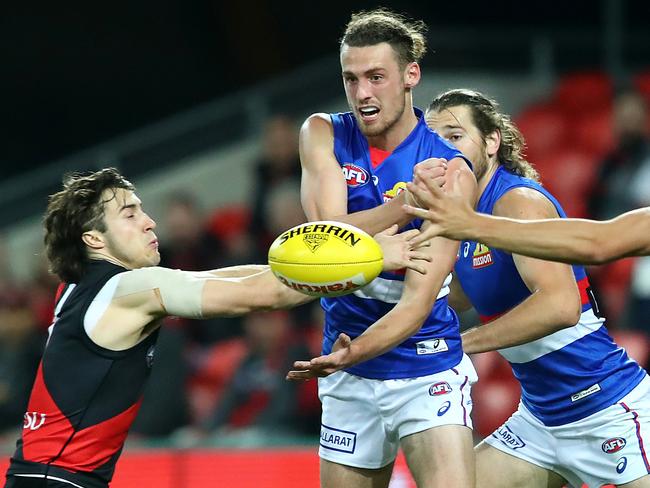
(85, 397)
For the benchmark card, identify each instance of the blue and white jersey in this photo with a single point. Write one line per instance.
(437, 346)
(567, 375)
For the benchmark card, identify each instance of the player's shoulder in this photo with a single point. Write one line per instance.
(525, 202)
(318, 121)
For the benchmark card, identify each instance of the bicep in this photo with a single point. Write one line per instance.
(323, 190)
(537, 274)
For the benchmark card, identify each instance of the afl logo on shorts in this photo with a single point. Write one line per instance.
(615, 444)
(355, 175)
(441, 388)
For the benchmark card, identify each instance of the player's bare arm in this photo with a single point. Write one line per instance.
(144, 296)
(406, 318)
(578, 241)
(323, 186)
(554, 302)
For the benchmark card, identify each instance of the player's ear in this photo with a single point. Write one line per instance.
(492, 143)
(412, 75)
(93, 239)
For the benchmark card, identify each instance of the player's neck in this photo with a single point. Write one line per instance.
(97, 255)
(483, 180)
(396, 134)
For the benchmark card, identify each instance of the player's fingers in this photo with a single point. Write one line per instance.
(410, 234)
(299, 375)
(391, 231)
(345, 339)
(419, 256)
(420, 213)
(420, 245)
(418, 268)
(302, 365)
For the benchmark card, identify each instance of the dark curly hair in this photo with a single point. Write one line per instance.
(368, 28)
(76, 209)
(487, 118)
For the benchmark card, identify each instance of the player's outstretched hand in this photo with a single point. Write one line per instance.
(400, 252)
(340, 358)
(446, 208)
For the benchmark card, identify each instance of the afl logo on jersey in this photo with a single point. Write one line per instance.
(355, 175)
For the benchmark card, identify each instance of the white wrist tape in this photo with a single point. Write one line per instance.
(181, 292)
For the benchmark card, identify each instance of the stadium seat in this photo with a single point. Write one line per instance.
(229, 222)
(613, 286)
(569, 174)
(212, 373)
(593, 132)
(635, 342)
(583, 92)
(545, 128)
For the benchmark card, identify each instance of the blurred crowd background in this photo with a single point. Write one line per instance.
(200, 103)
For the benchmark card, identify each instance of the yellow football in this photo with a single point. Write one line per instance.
(325, 258)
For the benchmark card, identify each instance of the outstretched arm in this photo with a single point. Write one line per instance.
(565, 240)
(141, 297)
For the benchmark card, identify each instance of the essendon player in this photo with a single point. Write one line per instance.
(99, 353)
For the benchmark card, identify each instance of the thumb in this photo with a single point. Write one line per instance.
(345, 340)
(391, 231)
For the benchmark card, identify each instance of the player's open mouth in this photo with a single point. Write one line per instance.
(369, 113)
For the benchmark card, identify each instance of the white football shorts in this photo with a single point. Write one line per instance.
(607, 447)
(364, 419)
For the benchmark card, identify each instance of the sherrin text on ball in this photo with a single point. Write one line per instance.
(325, 258)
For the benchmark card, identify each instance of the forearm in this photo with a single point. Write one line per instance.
(379, 218)
(385, 334)
(240, 271)
(568, 241)
(541, 314)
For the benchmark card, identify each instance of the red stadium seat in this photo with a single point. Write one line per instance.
(544, 128)
(229, 222)
(593, 132)
(569, 174)
(584, 92)
(636, 343)
(213, 372)
(613, 287)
